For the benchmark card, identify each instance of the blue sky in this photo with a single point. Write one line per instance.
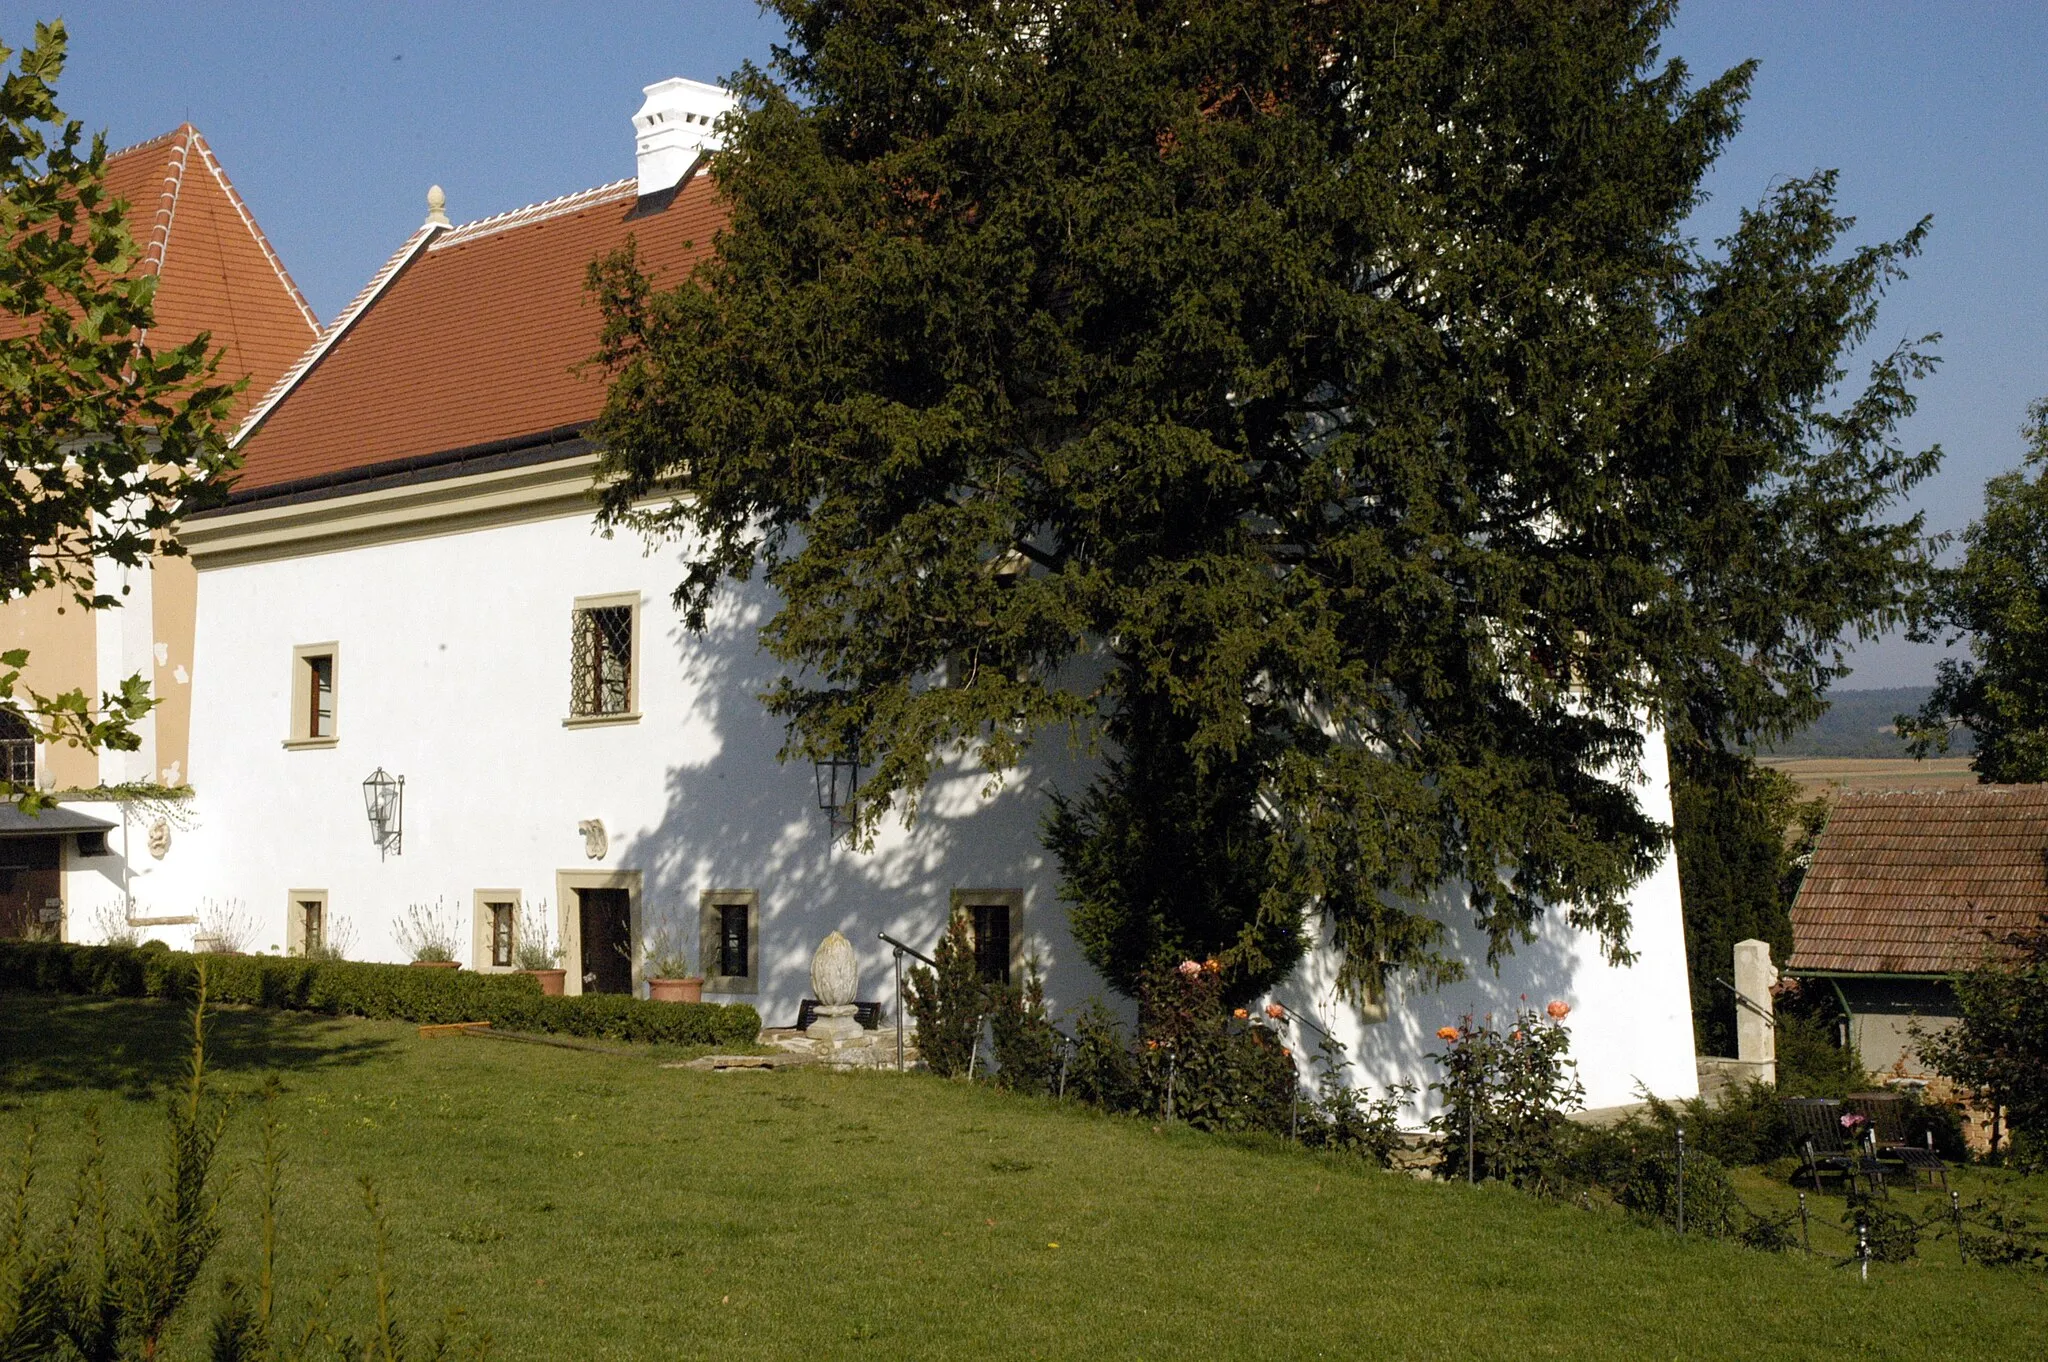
(334, 118)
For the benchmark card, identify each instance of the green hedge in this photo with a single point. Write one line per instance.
(511, 1002)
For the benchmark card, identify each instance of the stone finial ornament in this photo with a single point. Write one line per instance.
(835, 972)
(437, 207)
(595, 843)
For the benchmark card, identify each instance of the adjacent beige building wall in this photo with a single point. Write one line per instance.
(174, 599)
(63, 645)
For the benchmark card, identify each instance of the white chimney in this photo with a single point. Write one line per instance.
(673, 126)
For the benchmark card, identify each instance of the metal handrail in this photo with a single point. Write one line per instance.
(905, 948)
(1746, 1001)
(901, 949)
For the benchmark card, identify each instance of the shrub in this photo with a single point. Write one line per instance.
(1505, 1098)
(1102, 1071)
(1204, 1065)
(1810, 1063)
(949, 1002)
(381, 992)
(1342, 1118)
(1027, 1051)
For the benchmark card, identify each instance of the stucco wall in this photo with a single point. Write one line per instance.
(454, 673)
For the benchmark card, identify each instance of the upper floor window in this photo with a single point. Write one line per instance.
(315, 670)
(603, 679)
(17, 750)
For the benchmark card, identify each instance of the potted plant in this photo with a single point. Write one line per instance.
(672, 975)
(535, 951)
(429, 935)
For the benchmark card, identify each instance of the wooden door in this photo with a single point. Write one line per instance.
(31, 895)
(606, 917)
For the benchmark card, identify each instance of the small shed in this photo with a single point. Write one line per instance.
(1909, 887)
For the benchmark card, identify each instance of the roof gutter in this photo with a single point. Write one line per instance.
(538, 442)
(1798, 973)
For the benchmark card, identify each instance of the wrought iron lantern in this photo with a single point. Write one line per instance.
(838, 778)
(384, 801)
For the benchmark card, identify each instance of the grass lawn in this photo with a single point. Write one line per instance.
(583, 1205)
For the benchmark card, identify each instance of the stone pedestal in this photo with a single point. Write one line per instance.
(836, 1023)
(1756, 1035)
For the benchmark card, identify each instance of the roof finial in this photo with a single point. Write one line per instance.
(437, 204)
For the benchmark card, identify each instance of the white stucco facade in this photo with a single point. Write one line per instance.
(453, 670)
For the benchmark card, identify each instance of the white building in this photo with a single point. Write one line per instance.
(408, 582)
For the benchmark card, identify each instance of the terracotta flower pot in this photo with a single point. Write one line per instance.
(437, 964)
(675, 990)
(550, 980)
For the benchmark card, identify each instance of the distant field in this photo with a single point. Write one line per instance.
(1818, 775)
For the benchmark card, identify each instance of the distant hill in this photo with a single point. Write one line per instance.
(1859, 724)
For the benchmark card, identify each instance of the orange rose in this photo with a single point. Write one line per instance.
(1558, 1010)
(1275, 1011)
(1240, 1014)
(1447, 1033)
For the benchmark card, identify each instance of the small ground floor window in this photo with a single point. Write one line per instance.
(995, 921)
(729, 930)
(494, 942)
(306, 922)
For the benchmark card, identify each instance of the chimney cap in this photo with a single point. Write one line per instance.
(437, 207)
(676, 123)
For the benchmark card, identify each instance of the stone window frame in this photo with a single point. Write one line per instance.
(299, 731)
(480, 929)
(710, 934)
(969, 897)
(295, 919)
(630, 600)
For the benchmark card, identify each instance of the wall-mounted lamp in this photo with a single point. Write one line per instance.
(384, 801)
(838, 778)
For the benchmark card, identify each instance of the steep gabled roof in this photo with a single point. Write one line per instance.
(216, 270)
(1922, 881)
(469, 336)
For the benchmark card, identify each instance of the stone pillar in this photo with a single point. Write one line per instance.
(1756, 1036)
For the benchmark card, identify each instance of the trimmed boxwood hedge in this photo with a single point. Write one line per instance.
(511, 1002)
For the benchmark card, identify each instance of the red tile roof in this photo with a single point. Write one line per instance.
(470, 335)
(216, 271)
(1922, 881)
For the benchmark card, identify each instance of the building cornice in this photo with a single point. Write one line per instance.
(413, 509)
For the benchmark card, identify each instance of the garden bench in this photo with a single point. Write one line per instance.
(1818, 1133)
(1892, 1138)
(869, 1015)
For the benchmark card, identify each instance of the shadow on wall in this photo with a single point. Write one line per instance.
(741, 820)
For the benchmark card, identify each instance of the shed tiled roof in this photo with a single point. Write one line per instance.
(1922, 881)
(470, 335)
(216, 271)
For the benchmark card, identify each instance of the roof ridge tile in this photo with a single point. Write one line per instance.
(536, 212)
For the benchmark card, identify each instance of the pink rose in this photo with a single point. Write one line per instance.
(1558, 1010)
(1190, 968)
(1275, 1011)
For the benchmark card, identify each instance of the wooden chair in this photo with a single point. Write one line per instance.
(1824, 1146)
(1892, 1137)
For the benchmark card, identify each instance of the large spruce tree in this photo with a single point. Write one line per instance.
(1322, 400)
